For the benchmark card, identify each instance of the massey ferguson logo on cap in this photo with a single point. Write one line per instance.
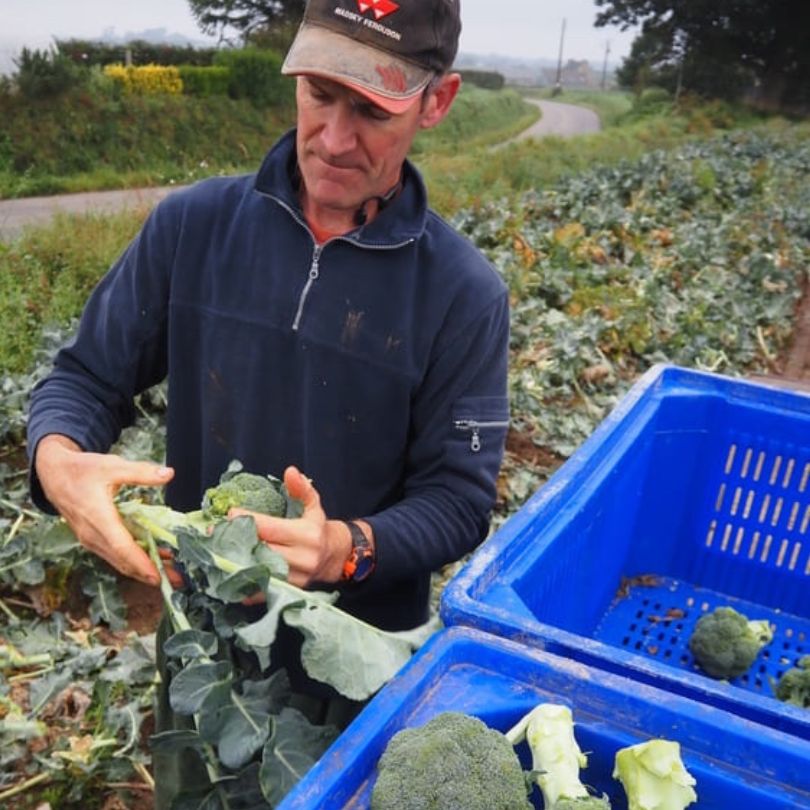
(380, 8)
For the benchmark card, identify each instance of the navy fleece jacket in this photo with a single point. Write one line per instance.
(375, 362)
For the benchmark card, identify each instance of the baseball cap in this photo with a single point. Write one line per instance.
(386, 50)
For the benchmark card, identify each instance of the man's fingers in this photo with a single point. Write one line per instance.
(125, 555)
(301, 487)
(142, 473)
(267, 526)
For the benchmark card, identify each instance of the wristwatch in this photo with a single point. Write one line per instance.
(360, 562)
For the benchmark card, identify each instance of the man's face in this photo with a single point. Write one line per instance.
(348, 148)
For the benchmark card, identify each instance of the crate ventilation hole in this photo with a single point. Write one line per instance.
(761, 511)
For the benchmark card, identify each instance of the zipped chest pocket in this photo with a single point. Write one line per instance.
(482, 418)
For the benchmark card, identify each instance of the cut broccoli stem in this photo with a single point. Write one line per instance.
(654, 777)
(556, 757)
(180, 622)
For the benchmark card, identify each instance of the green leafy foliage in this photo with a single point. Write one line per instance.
(45, 74)
(255, 74)
(695, 256)
(80, 700)
(204, 81)
(96, 53)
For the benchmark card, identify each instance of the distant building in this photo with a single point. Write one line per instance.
(575, 74)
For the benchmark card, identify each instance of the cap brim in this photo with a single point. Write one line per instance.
(391, 83)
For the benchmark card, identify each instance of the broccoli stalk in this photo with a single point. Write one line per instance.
(654, 777)
(794, 685)
(725, 643)
(556, 758)
(454, 761)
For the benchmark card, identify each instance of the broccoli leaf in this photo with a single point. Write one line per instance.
(352, 656)
(191, 686)
(293, 747)
(191, 644)
(238, 723)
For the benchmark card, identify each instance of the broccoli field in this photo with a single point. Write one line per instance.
(698, 256)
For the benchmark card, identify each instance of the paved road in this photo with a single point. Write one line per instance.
(16, 214)
(558, 119)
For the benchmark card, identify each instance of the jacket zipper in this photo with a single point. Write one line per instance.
(314, 267)
(475, 428)
(314, 272)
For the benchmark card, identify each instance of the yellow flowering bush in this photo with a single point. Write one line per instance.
(146, 79)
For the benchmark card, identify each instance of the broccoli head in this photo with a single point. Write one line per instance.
(244, 490)
(794, 685)
(556, 758)
(725, 643)
(454, 761)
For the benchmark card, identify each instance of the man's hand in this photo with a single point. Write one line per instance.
(314, 547)
(81, 487)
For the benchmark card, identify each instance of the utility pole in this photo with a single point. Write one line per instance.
(604, 66)
(558, 84)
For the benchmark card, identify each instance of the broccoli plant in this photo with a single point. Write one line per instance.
(253, 744)
(556, 758)
(725, 643)
(654, 777)
(453, 761)
(794, 685)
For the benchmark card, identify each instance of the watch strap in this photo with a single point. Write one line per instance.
(361, 559)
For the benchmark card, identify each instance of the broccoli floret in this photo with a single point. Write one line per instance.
(245, 490)
(556, 758)
(454, 761)
(654, 777)
(794, 685)
(725, 643)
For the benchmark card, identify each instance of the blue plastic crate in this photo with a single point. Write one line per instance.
(737, 764)
(692, 494)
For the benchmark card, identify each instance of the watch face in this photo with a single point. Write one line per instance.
(363, 565)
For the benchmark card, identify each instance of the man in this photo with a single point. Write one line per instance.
(315, 319)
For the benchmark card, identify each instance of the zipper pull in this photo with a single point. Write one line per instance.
(314, 267)
(475, 434)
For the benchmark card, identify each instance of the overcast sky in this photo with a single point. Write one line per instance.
(521, 28)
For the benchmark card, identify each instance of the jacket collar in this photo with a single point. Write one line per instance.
(401, 221)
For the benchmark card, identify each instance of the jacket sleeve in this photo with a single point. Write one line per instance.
(117, 352)
(459, 425)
